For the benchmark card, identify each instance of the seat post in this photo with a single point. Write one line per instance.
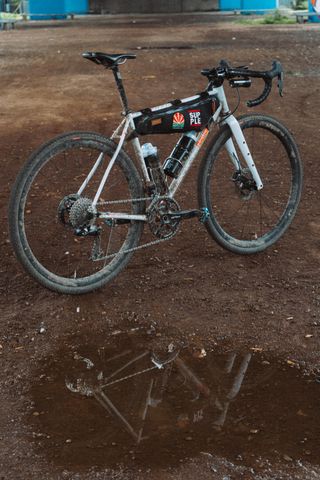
(120, 87)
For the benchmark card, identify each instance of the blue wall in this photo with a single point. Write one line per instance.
(49, 6)
(76, 6)
(57, 7)
(261, 4)
(247, 4)
(230, 4)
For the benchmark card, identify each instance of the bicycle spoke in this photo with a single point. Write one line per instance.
(241, 215)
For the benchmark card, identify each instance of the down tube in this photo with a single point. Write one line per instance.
(175, 184)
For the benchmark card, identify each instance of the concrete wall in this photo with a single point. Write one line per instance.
(151, 6)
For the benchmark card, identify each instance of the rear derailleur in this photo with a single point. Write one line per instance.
(77, 212)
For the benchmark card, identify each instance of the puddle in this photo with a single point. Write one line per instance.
(118, 402)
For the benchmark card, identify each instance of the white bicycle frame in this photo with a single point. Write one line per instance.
(127, 125)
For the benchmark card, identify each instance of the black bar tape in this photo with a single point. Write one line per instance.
(263, 96)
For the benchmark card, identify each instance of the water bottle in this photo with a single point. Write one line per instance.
(150, 155)
(173, 164)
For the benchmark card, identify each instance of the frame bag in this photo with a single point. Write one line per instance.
(177, 116)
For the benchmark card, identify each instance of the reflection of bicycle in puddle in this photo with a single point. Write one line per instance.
(155, 395)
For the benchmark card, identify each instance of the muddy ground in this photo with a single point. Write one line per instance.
(188, 292)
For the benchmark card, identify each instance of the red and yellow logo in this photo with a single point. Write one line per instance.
(178, 120)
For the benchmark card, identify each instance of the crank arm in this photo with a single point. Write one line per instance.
(185, 214)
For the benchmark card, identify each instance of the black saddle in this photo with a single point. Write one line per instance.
(108, 60)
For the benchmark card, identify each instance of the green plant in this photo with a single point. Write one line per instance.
(301, 5)
(275, 18)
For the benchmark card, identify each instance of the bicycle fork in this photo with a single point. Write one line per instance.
(235, 128)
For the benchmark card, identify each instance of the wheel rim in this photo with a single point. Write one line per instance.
(243, 215)
(50, 243)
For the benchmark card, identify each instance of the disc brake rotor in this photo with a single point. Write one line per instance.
(245, 187)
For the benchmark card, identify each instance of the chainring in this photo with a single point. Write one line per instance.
(160, 223)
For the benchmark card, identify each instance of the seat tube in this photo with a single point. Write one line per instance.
(121, 89)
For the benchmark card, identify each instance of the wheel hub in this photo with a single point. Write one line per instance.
(246, 187)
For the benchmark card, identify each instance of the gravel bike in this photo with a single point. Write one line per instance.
(79, 204)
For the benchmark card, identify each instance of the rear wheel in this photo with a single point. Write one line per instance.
(241, 218)
(45, 211)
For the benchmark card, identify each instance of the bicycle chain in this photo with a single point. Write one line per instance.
(133, 249)
(129, 200)
(157, 365)
(129, 376)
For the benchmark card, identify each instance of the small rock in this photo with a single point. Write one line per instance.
(42, 328)
(116, 332)
(68, 440)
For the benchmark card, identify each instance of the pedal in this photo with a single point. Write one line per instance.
(204, 215)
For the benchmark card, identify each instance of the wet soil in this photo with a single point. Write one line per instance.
(125, 403)
(188, 291)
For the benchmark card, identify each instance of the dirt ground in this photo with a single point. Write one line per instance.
(188, 290)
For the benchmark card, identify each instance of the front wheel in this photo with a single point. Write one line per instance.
(48, 218)
(241, 218)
